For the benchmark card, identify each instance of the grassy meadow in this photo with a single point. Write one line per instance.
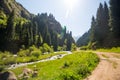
(75, 66)
(114, 49)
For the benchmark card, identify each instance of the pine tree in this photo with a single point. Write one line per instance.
(99, 29)
(106, 20)
(48, 39)
(69, 41)
(92, 30)
(40, 40)
(115, 17)
(55, 44)
(11, 27)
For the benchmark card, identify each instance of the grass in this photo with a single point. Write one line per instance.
(114, 49)
(75, 66)
(7, 58)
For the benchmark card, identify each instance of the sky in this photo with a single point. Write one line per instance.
(74, 14)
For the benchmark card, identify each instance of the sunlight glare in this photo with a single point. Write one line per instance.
(70, 3)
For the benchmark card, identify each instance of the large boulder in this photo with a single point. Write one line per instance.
(8, 75)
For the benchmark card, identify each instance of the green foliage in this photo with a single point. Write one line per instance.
(114, 23)
(84, 48)
(104, 29)
(7, 58)
(46, 48)
(3, 19)
(74, 47)
(23, 53)
(66, 64)
(114, 49)
(24, 56)
(2, 68)
(18, 27)
(75, 66)
(33, 58)
(36, 53)
(83, 70)
(60, 48)
(115, 17)
(67, 75)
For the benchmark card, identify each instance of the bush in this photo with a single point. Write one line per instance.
(66, 64)
(2, 68)
(23, 53)
(83, 48)
(36, 53)
(5, 55)
(73, 48)
(83, 70)
(33, 59)
(32, 48)
(68, 75)
(10, 60)
(46, 48)
(60, 48)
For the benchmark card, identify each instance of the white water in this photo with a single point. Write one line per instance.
(13, 66)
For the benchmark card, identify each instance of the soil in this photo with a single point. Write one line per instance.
(108, 67)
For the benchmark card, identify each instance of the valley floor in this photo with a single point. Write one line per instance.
(108, 68)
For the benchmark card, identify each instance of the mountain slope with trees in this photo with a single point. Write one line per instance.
(105, 29)
(21, 29)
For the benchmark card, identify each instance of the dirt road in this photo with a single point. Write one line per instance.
(108, 68)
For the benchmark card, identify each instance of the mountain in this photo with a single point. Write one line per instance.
(76, 38)
(7, 6)
(84, 39)
(19, 28)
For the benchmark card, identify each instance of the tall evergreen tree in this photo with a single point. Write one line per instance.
(92, 30)
(10, 26)
(99, 25)
(115, 17)
(55, 44)
(40, 40)
(106, 20)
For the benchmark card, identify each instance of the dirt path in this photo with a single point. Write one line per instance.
(108, 68)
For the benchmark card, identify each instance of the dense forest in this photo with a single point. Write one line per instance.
(21, 29)
(105, 27)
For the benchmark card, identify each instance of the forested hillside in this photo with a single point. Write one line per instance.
(105, 27)
(21, 29)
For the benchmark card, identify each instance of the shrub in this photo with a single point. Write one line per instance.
(73, 48)
(33, 59)
(36, 53)
(23, 53)
(68, 75)
(10, 60)
(66, 64)
(83, 70)
(60, 48)
(83, 48)
(32, 48)
(46, 48)
(2, 68)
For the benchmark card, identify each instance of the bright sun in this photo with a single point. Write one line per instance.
(70, 3)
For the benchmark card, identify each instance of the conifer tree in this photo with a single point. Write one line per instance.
(92, 30)
(10, 26)
(115, 17)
